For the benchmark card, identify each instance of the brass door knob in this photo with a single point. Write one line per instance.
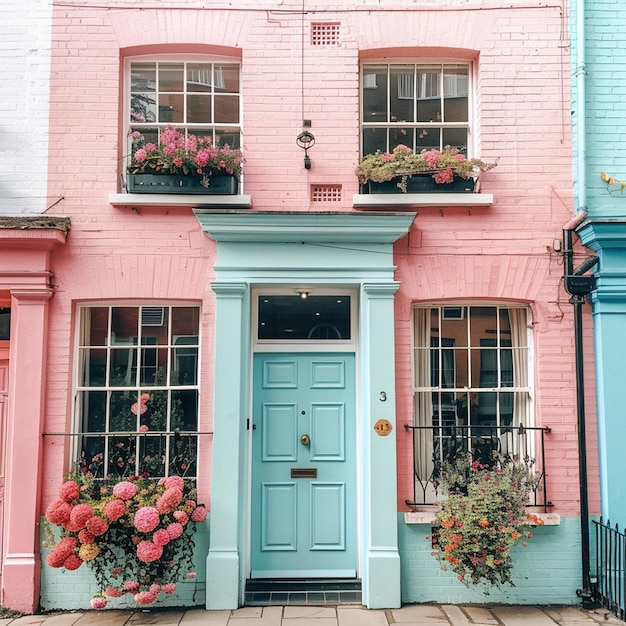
(305, 439)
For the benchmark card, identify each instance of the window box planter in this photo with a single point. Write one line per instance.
(176, 184)
(421, 183)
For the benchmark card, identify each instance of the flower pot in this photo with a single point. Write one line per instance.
(422, 183)
(221, 184)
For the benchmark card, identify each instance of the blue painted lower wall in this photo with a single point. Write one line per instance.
(547, 571)
(73, 590)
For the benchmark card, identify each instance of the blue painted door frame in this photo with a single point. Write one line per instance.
(348, 250)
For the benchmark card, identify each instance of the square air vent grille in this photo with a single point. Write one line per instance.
(325, 33)
(326, 193)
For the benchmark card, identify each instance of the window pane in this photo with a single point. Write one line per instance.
(292, 318)
(227, 78)
(171, 77)
(171, 108)
(455, 90)
(402, 95)
(226, 109)
(199, 109)
(457, 138)
(199, 77)
(428, 93)
(92, 366)
(374, 139)
(98, 324)
(428, 139)
(375, 93)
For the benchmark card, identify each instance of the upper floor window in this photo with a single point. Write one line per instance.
(200, 97)
(137, 389)
(422, 106)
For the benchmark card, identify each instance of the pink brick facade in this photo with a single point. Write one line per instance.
(500, 253)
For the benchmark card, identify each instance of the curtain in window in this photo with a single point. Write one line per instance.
(519, 345)
(423, 405)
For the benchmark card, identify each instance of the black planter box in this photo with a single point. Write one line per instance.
(422, 183)
(173, 183)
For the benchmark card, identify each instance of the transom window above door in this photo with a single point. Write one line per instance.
(422, 106)
(304, 317)
(200, 97)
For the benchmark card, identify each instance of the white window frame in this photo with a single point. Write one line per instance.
(406, 82)
(185, 126)
(82, 387)
(434, 420)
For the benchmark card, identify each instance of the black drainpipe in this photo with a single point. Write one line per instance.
(579, 287)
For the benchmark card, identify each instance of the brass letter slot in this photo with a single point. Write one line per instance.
(304, 472)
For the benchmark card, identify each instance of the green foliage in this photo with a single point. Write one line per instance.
(443, 165)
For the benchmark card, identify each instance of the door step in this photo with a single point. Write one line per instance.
(302, 592)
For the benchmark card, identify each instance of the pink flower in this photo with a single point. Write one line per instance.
(174, 482)
(181, 517)
(98, 602)
(170, 499)
(84, 536)
(114, 509)
(137, 408)
(431, 157)
(55, 559)
(96, 526)
(146, 519)
(141, 155)
(116, 571)
(169, 588)
(125, 490)
(161, 537)
(148, 552)
(131, 585)
(145, 397)
(69, 491)
(174, 530)
(66, 546)
(72, 562)
(199, 514)
(144, 597)
(113, 592)
(79, 516)
(190, 504)
(445, 176)
(143, 428)
(191, 575)
(58, 512)
(155, 589)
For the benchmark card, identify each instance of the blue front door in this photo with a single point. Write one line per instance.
(303, 466)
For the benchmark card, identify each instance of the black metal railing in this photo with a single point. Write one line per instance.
(609, 590)
(433, 445)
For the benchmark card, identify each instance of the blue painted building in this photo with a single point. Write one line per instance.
(599, 126)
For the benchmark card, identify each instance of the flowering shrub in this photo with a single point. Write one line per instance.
(443, 166)
(483, 517)
(180, 154)
(136, 535)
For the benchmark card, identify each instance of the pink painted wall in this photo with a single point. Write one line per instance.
(500, 252)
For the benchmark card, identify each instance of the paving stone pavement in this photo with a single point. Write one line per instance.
(344, 615)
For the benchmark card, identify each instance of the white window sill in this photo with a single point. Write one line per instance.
(182, 200)
(410, 200)
(428, 517)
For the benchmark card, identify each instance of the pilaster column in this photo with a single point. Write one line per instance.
(21, 568)
(380, 558)
(229, 422)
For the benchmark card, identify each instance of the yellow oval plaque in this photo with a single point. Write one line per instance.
(383, 427)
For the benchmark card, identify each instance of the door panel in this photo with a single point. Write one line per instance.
(303, 466)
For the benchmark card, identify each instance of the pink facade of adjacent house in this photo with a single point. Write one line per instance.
(463, 286)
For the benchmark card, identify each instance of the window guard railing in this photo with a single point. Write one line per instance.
(610, 588)
(185, 456)
(525, 443)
